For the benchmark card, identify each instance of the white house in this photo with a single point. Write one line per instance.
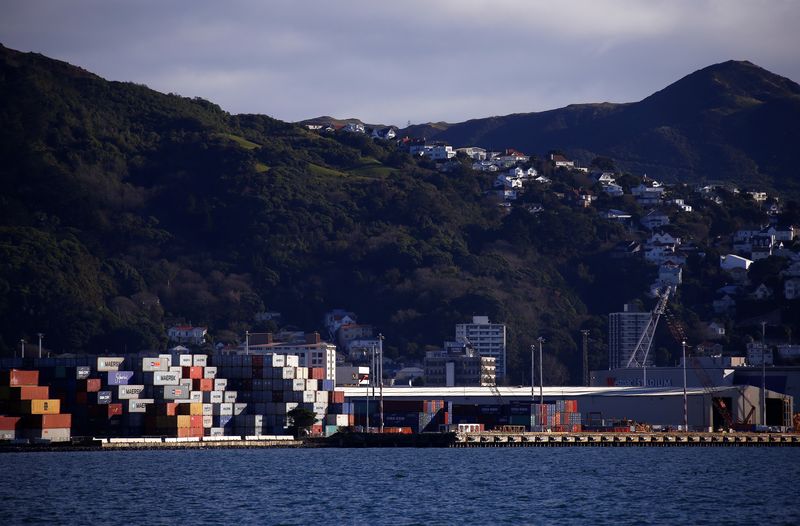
(734, 262)
(485, 166)
(681, 204)
(354, 127)
(473, 152)
(440, 152)
(663, 238)
(187, 334)
(384, 133)
(605, 178)
(758, 197)
(715, 330)
(654, 219)
(507, 195)
(560, 161)
(762, 292)
(758, 354)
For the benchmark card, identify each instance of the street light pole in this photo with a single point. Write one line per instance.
(533, 370)
(380, 366)
(685, 404)
(22, 345)
(41, 335)
(247, 342)
(763, 374)
(541, 378)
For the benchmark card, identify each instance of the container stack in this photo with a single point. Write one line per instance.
(273, 385)
(418, 416)
(561, 416)
(32, 412)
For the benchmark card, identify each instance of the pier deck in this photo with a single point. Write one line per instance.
(490, 439)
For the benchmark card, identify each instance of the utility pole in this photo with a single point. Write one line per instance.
(22, 345)
(41, 335)
(763, 374)
(541, 379)
(533, 369)
(380, 366)
(585, 333)
(685, 403)
(247, 342)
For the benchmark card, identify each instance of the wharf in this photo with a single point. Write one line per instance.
(491, 439)
(129, 444)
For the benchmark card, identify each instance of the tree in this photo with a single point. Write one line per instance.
(300, 421)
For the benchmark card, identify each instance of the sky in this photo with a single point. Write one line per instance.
(405, 61)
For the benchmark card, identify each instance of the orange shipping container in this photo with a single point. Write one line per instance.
(195, 409)
(114, 409)
(184, 421)
(203, 384)
(195, 372)
(196, 432)
(41, 407)
(92, 385)
(172, 408)
(18, 377)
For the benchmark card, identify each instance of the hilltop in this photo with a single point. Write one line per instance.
(732, 121)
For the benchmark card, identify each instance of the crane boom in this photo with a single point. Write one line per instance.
(640, 352)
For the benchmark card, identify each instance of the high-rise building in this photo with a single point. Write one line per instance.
(487, 339)
(624, 330)
(458, 365)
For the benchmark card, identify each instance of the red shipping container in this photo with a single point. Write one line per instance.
(258, 360)
(18, 377)
(60, 421)
(114, 409)
(196, 432)
(196, 421)
(9, 423)
(26, 392)
(93, 385)
(195, 372)
(172, 408)
(203, 384)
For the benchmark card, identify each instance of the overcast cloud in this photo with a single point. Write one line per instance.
(418, 61)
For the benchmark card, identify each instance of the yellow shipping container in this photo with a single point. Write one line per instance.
(184, 421)
(196, 409)
(41, 407)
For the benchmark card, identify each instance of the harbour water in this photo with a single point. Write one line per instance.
(403, 486)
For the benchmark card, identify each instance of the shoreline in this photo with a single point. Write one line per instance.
(424, 440)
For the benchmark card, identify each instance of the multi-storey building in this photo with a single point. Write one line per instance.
(487, 339)
(624, 330)
(459, 365)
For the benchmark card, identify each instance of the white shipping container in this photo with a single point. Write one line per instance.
(342, 420)
(217, 432)
(292, 360)
(167, 358)
(311, 385)
(128, 392)
(208, 421)
(238, 409)
(309, 396)
(175, 369)
(224, 409)
(321, 396)
(229, 397)
(288, 373)
(8, 434)
(210, 372)
(209, 409)
(288, 406)
(216, 397)
(220, 384)
(166, 378)
(318, 408)
(109, 363)
(196, 396)
(185, 360)
(140, 405)
(302, 372)
(278, 360)
(59, 434)
(199, 360)
(154, 364)
(298, 385)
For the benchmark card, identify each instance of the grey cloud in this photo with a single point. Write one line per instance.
(414, 60)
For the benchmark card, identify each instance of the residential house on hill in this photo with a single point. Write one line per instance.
(187, 334)
(655, 219)
(559, 161)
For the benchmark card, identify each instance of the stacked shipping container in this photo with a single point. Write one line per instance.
(32, 412)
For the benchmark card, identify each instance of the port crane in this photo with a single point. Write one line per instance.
(642, 349)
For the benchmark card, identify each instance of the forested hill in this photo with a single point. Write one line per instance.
(124, 209)
(732, 121)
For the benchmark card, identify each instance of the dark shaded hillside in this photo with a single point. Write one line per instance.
(124, 210)
(732, 121)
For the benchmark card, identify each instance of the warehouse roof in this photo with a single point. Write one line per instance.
(523, 392)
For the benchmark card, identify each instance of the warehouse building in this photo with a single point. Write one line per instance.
(657, 406)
